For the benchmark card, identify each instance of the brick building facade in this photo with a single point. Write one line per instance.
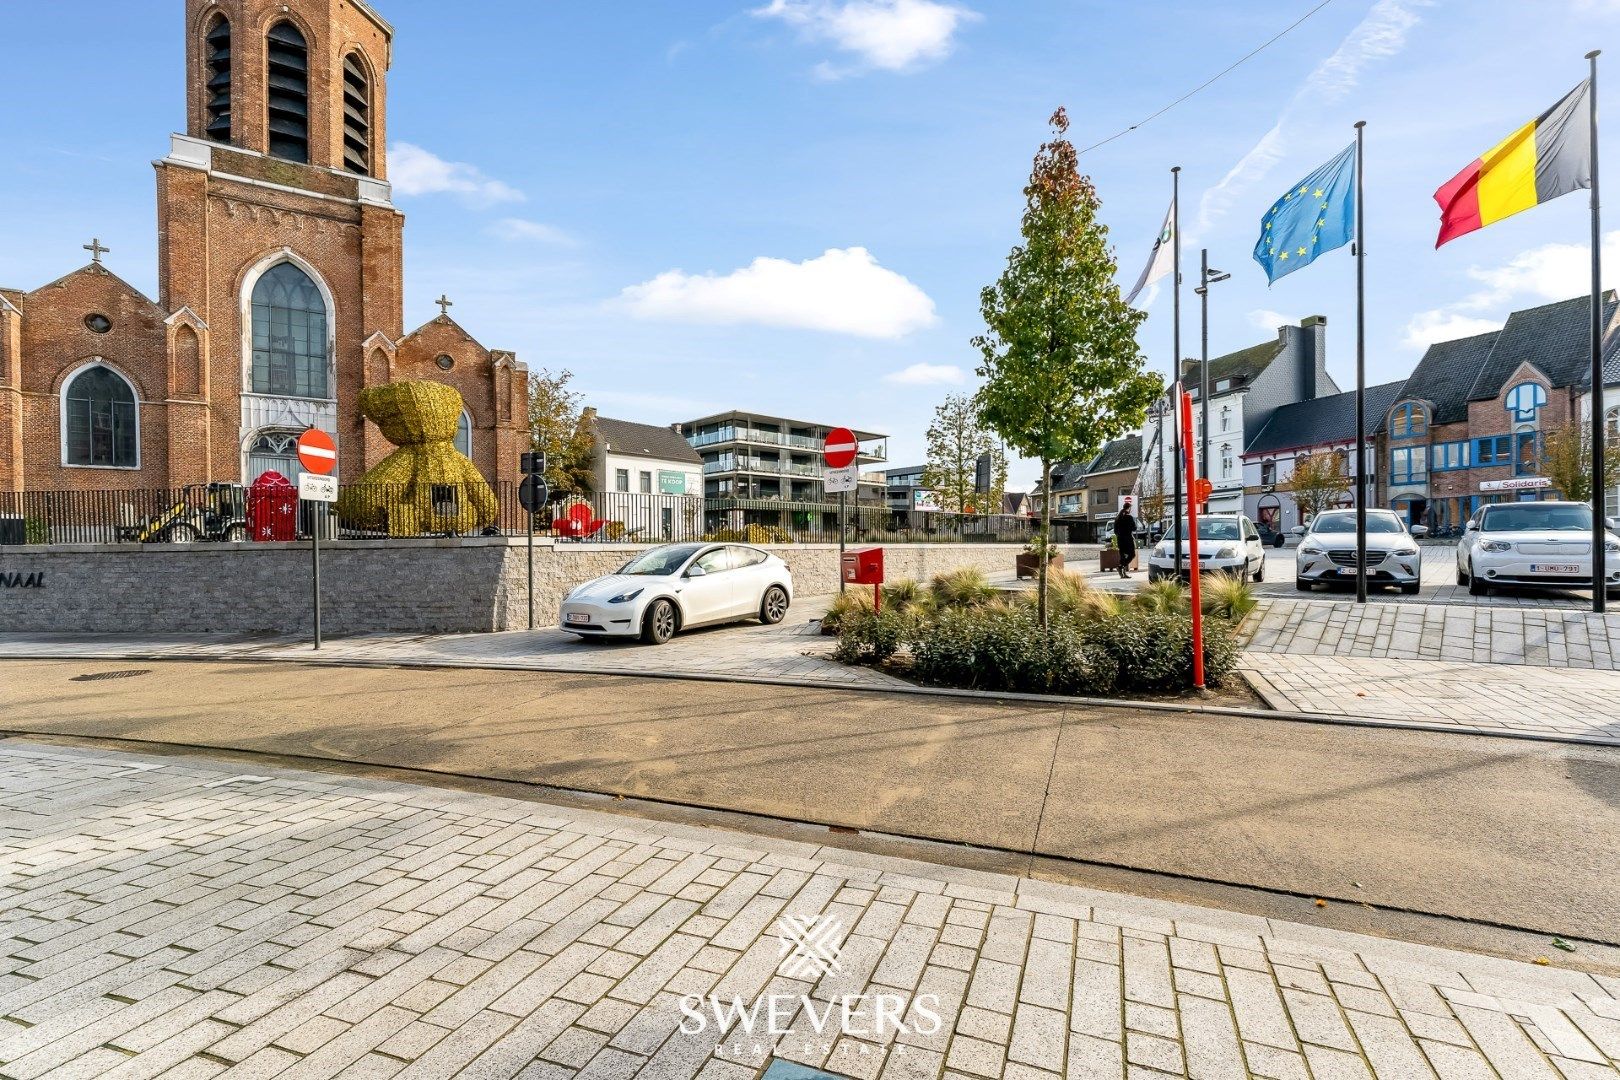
(1467, 427)
(280, 283)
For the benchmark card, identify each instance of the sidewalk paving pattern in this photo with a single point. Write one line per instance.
(176, 917)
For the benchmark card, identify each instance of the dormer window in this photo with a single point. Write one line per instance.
(217, 65)
(1409, 421)
(1222, 385)
(288, 102)
(1525, 401)
(356, 116)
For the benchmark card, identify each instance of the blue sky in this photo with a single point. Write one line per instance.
(791, 205)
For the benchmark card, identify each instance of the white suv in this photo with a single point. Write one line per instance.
(1533, 543)
(1227, 543)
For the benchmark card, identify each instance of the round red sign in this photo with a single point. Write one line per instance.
(317, 453)
(839, 449)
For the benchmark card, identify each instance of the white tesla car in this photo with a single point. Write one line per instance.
(1533, 543)
(677, 586)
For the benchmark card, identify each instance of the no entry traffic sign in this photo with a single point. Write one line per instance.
(317, 453)
(839, 449)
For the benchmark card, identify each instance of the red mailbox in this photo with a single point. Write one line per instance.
(272, 508)
(863, 566)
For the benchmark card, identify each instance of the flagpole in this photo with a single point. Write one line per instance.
(1361, 376)
(1600, 532)
(1175, 359)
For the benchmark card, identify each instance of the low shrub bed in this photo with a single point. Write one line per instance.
(956, 633)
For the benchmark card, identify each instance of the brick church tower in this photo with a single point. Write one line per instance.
(280, 292)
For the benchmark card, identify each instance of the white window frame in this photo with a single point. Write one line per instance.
(62, 418)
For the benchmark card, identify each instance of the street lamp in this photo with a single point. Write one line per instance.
(1206, 278)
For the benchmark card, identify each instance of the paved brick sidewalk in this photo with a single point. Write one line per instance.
(1571, 704)
(1547, 637)
(180, 918)
(794, 650)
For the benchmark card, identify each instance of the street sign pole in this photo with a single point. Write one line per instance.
(841, 531)
(315, 564)
(317, 488)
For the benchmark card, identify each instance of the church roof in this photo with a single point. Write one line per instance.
(645, 440)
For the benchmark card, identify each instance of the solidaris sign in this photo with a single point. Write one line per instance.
(811, 948)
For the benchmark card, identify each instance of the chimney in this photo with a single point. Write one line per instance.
(589, 413)
(676, 428)
(1313, 359)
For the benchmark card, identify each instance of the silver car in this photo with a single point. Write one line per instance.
(1327, 552)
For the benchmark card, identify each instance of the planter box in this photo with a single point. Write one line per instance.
(1110, 560)
(1029, 566)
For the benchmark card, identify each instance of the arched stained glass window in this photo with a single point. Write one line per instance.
(99, 420)
(289, 335)
(287, 58)
(464, 434)
(217, 50)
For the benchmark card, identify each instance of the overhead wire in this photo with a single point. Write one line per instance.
(1213, 79)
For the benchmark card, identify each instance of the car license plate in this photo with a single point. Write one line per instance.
(578, 617)
(1554, 568)
(1347, 569)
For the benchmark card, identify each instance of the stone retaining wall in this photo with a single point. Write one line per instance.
(428, 586)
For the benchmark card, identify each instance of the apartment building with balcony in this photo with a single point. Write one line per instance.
(755, 456)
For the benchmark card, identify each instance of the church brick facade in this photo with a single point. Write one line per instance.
(280, 291)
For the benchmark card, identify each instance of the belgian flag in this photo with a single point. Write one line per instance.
(1548, 157)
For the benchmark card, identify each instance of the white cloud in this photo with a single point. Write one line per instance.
(927, 375)
(415, 171)
(1537, 276)
(843, 291)
(890, 35)
(1428, 327)
(1380, 35)
(536, 231)
(1263, 319)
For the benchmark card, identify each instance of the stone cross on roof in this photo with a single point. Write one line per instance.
(445, 304)
(96, 250)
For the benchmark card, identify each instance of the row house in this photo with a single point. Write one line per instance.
(1468, 425)
(1245, 388)
(1320, 425)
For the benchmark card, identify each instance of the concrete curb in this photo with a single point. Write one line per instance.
(1061, 701)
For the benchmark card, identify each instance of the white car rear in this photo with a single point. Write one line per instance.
(1546, 544)
(671, 588)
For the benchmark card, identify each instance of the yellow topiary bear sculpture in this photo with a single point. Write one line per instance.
(427, 485)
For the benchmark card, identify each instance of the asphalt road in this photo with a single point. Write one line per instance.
(1516, 833)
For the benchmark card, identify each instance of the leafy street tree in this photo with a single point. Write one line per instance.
(1319, 482)
(956, 441)
(1062, 370)
(1566, 460)
(557, 425)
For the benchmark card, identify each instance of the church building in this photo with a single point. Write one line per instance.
(280, 284)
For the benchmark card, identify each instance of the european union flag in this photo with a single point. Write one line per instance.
(1315, 215)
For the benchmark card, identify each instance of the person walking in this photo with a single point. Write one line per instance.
(1125, 538)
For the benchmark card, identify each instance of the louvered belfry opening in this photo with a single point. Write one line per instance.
(218, 64)
(356, 116)
(288, 56)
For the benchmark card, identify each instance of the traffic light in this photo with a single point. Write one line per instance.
(533, 494)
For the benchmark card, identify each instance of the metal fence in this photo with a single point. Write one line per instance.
(215, 513)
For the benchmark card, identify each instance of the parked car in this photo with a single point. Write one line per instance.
(1270, 535)
(1227, 543)
(678, 586)
(1534, 543)
(1327, 551)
